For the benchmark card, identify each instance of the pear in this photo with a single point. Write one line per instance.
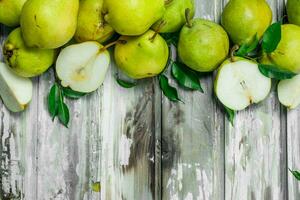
(286, 56)
(293, 10)
(49, 24)
(133, 17)
(10, 11)
(239, 83)
(142, 56)
(289, 92)
(83, 67)
(23, 60)
(174, 17)
(243, 19)
(91, 25)
(203, 45)
(15, 91)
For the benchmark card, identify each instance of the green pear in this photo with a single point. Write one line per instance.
(26, 61)
(49, 24)
(244, 19)
(91, 25)
(174, 17)
(142, 56)
(10, 11)
(133, 17)
(286, 56)
(289, 92)
(293, 10)
(203, 45)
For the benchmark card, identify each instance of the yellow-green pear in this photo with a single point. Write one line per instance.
(26, 61)
(293, 10)
(203, 45)
(10, 11)
(49, 24)
(174, 17)
(142, 56)
(286, 56)
(91, 25)
(133, 17)
(244, 19)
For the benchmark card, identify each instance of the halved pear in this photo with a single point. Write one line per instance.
(15, 91)
(239, 83)
(83, 67)
(289, 92)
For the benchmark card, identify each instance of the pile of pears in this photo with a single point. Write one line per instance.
(74, 36)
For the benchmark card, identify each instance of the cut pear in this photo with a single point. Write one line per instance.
(289, 92)
(240, 83)
(83, 67)
(15, 91)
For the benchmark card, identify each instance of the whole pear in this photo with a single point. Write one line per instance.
(10, 11)
(142, 56)
(174, 17)
(286, 56)
(26, 61)
(244, 19)
(49, 24)
(91, 24)
(133, 17)
(203, 45)
(293, 10)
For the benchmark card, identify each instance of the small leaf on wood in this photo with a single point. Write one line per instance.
(272, 71)
(96, 187)
(245, 49)
(53, 98)
(169, 91)
(271, 38)
(296, 174)
(171, 38)
(186, 77)
(71, 94)
(63, 111)
(125, 84)
(230, 114)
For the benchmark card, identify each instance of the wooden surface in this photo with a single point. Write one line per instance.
(140, 146)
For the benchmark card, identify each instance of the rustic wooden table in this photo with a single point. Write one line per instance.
(139, 146)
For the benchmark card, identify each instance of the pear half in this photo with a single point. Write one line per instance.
(83, 67)
(15, 91)
(240, 83)
(289, 92)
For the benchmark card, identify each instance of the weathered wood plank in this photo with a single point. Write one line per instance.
(255, 148)
(192, 137)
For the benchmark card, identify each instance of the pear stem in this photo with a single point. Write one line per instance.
(161, 24)
(232, 52)
(188, 17)
(167, 2)
(113, 44)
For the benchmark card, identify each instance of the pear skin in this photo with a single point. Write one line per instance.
(49, 24)
(293, 10)
(10, 11)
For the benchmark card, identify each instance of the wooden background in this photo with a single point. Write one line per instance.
(140, 146)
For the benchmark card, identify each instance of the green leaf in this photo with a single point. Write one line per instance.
(296, 174)
(271, 38)
(169, 91)
(272, 71)
(53, 98)
(96, 187)
(71, 94)
(230, 114)
(63, 111)
(245, 49)
(125, 84)
(186, 77)
(171, 38)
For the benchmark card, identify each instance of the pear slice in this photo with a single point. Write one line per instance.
(289, 92)
(240, 83)
(15, 91)
(83, 67)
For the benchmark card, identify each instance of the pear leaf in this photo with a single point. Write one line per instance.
(245, 49)
(296, 174)
(125, 84)
(63, 111)
(271, 38)
(230, 114)
(186, 77)
(53, 98)
(272, 71)
(171, 38)
(169, 91)
(71, 94)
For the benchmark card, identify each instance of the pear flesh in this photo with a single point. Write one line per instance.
(203, 46)
(49, 24)
(133, 17)
(83, 67)
(142, 56)
(91, 25)
(10, 11)
(240, 83)
(244, 19)
(15, 91)
(23, 60)
(293, 11)
(289, 92)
